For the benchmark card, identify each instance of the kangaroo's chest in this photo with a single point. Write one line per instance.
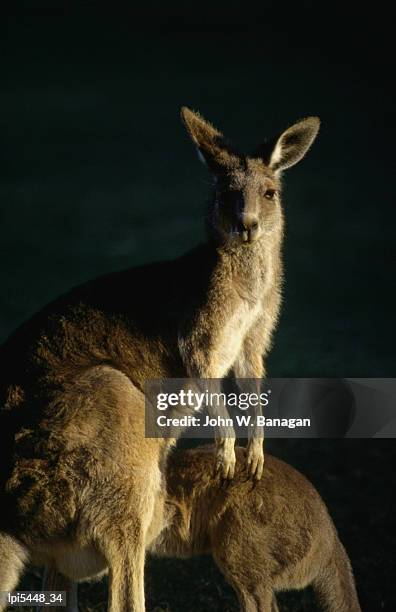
(234, 333)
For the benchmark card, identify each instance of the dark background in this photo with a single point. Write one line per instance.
(97, 173)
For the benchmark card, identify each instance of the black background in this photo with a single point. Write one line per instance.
(97, 174)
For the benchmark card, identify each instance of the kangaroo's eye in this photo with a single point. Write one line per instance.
(270, 194)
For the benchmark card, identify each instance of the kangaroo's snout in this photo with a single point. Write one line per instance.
(248, 228)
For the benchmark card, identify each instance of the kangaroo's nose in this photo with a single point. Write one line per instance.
(248, 227)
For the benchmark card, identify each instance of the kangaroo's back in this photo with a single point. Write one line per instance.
(283, 503)
(126, 319)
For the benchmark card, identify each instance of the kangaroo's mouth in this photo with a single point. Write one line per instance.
(244, 238)
(248, 237)
(235, 238)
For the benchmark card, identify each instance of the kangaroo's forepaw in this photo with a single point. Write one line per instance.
(255, 458)
(225, 458)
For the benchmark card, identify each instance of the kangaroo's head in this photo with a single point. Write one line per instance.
(246, 205)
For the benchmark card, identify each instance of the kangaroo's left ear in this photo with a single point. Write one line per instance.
(291, 146)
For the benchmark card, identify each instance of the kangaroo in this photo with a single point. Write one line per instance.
(273, 537)
(72, 377)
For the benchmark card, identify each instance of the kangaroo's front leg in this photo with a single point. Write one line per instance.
(224, 431)
(207, 376)
(204, 348)
(249, 371)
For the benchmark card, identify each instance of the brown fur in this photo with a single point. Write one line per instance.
(72, 376)
(274, 536)
(93, 483)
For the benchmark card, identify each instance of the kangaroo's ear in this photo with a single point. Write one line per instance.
(291, 146)
(211, 145)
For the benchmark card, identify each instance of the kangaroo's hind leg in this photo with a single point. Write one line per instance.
(334, 585)
(125, 533)
(123, 541)
(55, 581)
(126, 580)
(13, 557)
(123, 483)
(252, 596)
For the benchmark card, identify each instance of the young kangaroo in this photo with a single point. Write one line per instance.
(272, 537)
(72, 376)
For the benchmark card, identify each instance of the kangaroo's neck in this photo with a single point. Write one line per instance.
(248, 270)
